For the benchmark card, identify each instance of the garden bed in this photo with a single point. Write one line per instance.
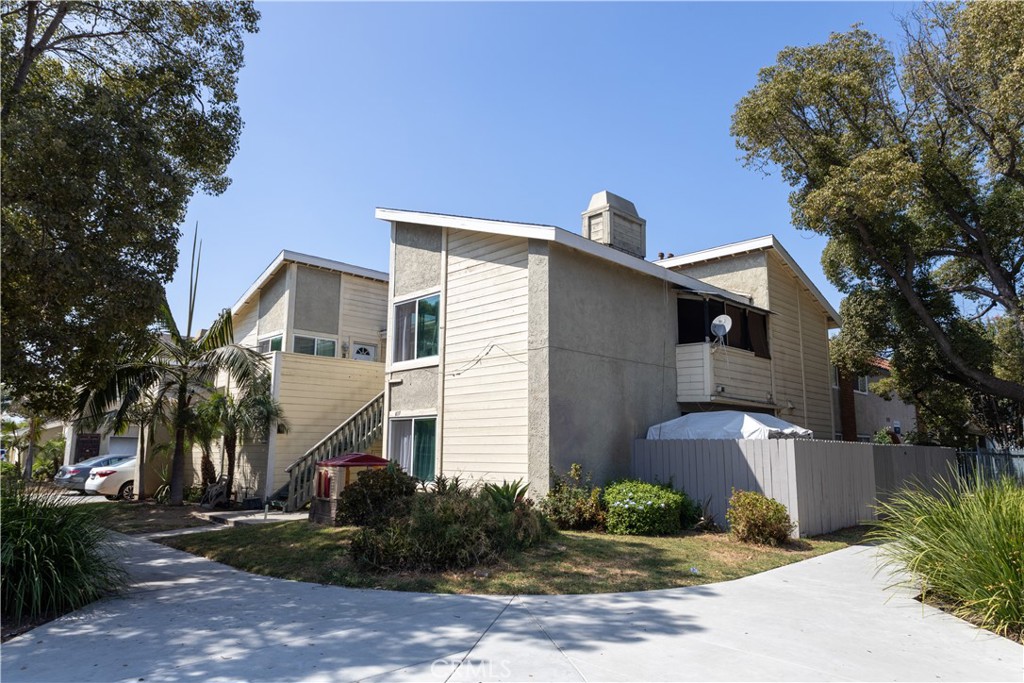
(571, 562)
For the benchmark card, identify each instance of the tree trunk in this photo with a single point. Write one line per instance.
(140, 480)
(230, 442)
(30, 458)
(178, 468)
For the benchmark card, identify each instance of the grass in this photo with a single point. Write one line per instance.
(573, 562)
(134, 517)
(964, 546)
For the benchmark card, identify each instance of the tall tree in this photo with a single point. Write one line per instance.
(912, 168)
(172, 374)
(114, 114)
(247, 414)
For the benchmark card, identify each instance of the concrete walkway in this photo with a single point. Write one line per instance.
(186, 618)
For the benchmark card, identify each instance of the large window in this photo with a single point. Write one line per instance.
(412, 446)
(416, 328)
(749, 329)
(269, 344)
(314, 346)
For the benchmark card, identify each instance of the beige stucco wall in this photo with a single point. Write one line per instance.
(413, 390)
(417, 264)
(273, 306)
(745, 274)
(611, 361)
(317, 300)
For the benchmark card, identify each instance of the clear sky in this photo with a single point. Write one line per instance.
(514, 111)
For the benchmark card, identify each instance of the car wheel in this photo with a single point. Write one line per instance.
(110, 497)
(127, 491)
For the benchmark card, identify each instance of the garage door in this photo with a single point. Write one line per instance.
(123, 445)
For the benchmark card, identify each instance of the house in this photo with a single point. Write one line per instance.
(860, 414)
(322, 326)
(518, 349)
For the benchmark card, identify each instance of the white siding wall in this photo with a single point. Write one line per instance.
(364, 311)
(799, 347)
(691, 372)
(485, 387)
(743, 375)
(245, 324)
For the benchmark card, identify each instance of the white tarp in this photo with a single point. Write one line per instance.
(727, 424)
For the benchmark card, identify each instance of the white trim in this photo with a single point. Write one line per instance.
(410, 414)
(442, 321)
(306, 260)
(559, 236)
(415, 363)
(756, 244)
(412, 296)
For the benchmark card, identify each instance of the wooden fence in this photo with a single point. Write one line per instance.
(825, 485)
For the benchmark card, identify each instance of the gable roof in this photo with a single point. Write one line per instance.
(551, 233)
(286, 257)
(747, 246)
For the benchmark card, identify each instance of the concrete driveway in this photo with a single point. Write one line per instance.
(186, 618)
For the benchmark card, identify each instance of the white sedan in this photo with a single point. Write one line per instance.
(114, 481)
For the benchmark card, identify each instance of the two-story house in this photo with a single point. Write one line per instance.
(518, 349)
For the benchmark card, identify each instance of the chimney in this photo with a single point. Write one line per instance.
(612, 220)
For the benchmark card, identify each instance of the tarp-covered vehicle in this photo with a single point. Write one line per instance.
(728, 424)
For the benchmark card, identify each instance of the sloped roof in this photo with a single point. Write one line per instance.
(557, 235)
(286, 257)
(747, 246)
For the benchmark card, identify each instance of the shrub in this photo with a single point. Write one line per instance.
(448, 531)
(504, 496)
(48, 460)
(52, 555)
(964, 543)
(375, 496)
(573, 503)
(637, 508)
(753, 518)
(9, 472)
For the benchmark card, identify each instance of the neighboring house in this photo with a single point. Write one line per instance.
(860, 414)
(519, 349)
(322, 325)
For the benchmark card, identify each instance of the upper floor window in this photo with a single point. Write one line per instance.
(269, 344)
(314, 346)
(416, 328)
(749, 329)
(862, 384)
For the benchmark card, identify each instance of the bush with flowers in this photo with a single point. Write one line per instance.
(637, 508)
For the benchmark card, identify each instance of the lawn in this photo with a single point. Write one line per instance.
(144, 517)
(572, 562)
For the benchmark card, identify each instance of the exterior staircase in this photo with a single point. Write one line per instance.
(355, 434)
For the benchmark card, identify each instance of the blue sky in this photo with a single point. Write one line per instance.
(515, 111)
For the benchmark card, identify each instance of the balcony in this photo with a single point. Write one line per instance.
(710, 373)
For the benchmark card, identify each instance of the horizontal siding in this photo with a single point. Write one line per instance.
(744, 375)
(364, 310)
(484, 427)
(244, 325)
(317, 395)
(690, 386)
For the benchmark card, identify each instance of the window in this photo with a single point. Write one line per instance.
(416, 328)
(862, 384)
(412, 446)
(749, 329)
(313, 346)
(269, 344)
(362, 351)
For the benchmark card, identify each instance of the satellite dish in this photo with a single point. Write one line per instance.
(721, 325)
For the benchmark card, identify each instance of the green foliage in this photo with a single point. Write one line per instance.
(52, 555)
(753, 518)
(375, 496)
(637, 508)
(443, 485)
(913, 169)
(449, 530)
(963, 544)
(48, 460)
(128, 109)
(507, 495)
(573, 502)
(9, 472)
(164, 380)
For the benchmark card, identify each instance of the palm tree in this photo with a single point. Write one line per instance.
(205, 427)
(247, 416)
(173, 372)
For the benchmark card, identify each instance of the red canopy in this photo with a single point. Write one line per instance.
(354, 460)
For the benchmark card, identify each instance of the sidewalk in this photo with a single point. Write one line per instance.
(186, 618)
